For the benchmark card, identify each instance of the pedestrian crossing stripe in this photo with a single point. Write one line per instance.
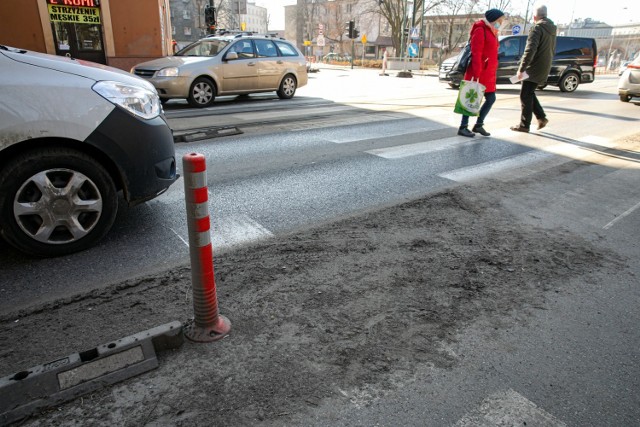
(508, 408)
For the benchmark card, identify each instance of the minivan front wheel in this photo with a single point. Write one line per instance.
(55, 201)
(202, 93)
(569, 82)
(288, 87)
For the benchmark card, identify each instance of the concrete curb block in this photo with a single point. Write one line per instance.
(58, 381)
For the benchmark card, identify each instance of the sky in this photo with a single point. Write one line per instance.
(612, 12)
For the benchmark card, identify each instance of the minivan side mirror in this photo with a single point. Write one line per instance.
(231, 56)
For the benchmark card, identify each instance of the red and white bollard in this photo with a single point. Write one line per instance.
(207, 325)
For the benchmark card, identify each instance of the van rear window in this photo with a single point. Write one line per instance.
(566, 46)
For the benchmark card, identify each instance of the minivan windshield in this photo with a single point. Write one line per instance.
(203, 48)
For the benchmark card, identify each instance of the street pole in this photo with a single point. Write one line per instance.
(404, 17)
(353, 51)
(422, 31)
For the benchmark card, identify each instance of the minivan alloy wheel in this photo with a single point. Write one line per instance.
(57, 206)
(569, 82)
(56, 201)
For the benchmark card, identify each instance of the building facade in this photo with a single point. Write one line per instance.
(104, 31)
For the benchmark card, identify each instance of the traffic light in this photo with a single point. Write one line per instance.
(356, 33)
(349, 26)
(210, 15)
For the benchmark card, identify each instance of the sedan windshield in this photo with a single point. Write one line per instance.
(204, 48)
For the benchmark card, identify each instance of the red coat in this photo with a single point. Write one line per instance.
(484, 55)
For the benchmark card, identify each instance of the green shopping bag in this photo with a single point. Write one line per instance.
(469, 97)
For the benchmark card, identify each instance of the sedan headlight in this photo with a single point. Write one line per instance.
(168, 72)
(137, 100)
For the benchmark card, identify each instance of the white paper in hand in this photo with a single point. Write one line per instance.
(515, 78)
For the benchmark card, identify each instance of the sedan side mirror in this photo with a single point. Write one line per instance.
(231, 56)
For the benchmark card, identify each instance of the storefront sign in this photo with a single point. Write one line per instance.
(87, 3)
(75, 15)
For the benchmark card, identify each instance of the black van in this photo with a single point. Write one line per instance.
(574, 62)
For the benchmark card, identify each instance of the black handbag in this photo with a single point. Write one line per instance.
(462, 63)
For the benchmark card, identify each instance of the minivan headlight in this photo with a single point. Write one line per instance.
(168, 72)
(137, 100)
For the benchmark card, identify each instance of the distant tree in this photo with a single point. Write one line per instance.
(402, 14)
(452, 21)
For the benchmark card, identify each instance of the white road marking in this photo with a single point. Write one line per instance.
(385, 134)
(472, 173)
(179, 237)
(508, 408)
(290, 113)
(566, 150)
(237, 230)
(625, 214)
(407, 150)
(227, 232)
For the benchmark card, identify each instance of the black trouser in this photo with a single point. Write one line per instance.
(530, 104)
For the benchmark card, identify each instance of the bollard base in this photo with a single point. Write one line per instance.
(218, 330)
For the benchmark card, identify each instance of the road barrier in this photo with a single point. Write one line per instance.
(207, 325)
(64, 379)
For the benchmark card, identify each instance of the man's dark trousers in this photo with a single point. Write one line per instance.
(530, 104)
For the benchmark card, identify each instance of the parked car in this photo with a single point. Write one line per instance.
(445, 69)
(337, 57)
(629, 83)
(227, 65)
(574, 62)
(72, 134)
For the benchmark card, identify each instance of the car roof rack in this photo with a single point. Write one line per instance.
(239, 33)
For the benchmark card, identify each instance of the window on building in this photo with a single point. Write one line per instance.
(186, 14)
(187, 31)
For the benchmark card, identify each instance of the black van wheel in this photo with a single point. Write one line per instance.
(55, 201)
(454, 86)
(625, 98)
(569, 82)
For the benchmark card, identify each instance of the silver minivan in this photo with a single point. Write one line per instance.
(72, 135)
(227, 65)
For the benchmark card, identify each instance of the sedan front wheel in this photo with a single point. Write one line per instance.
(202, 93)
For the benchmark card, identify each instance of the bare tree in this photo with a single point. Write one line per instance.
(402, 15)
(452, 23)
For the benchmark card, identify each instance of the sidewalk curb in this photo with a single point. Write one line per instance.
(58, 381)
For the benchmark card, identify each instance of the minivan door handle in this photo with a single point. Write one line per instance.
(251, 64)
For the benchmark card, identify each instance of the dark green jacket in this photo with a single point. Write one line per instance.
(539, 52)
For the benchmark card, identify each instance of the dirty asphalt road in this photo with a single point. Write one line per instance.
(513, 298)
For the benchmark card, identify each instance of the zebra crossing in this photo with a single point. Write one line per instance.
(540, 152)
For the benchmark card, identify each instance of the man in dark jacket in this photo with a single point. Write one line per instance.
(536, 62)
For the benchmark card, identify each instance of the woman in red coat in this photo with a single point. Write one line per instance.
(483, 66)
